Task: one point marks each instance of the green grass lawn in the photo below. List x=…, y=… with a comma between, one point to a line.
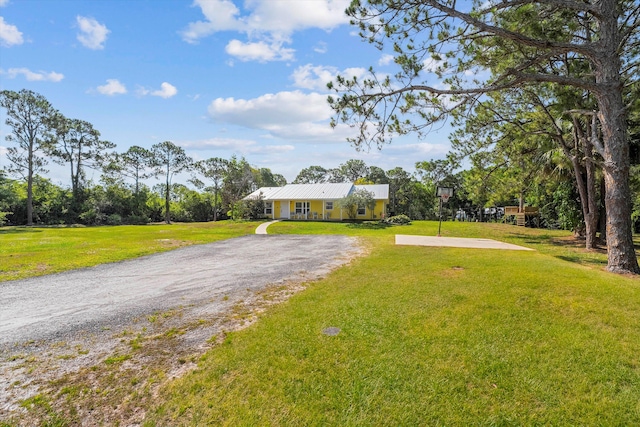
x=34, y=251
x=428, y=336
x=431, y=336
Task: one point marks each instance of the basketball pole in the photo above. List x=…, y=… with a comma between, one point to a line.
x=440, y=217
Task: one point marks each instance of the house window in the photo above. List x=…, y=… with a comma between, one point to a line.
x=328, y=206
x=268, y=208
x=361, y=210
x=302, y=208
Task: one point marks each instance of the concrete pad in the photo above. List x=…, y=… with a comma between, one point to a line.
x=262, y=228
x=456, y=242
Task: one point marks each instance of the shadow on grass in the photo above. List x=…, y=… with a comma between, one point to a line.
x=571, y=243
x=13, y=230
x=541, y=239
x=368, y=225
x=579, y=260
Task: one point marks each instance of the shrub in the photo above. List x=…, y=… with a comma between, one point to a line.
x=92, y=217
x=397, y=220
x=237, y=211
x=3, y=218
x=114, y=219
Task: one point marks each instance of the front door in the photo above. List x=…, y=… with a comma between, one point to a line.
x=284, y=209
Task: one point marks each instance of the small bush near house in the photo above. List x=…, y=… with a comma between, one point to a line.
x=397, y=220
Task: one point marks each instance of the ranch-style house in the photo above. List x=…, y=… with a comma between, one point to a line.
x=318, y=201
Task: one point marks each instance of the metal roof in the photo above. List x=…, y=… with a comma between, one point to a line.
x=380, y=191
x=264, y=193
x=323, y=191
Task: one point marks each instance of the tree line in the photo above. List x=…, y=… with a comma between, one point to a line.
x=509, y=172
x=40, y=133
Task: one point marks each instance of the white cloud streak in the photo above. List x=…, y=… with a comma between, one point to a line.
x=112, y=88
x=9, y=34
x=167, y=90
x=242, y=146
x=32, y=76
x=259, y=51
x=93, y=34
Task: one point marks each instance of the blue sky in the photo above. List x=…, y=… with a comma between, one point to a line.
x=217, y=77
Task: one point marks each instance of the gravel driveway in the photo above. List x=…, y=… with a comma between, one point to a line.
x=201, y=280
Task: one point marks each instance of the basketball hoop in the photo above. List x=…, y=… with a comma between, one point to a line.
x=444, y=193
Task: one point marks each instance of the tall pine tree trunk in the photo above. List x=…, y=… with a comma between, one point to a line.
x=620, y=250
x=167, y=204
x=30, y=190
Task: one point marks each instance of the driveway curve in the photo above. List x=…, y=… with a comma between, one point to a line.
x=57, y=306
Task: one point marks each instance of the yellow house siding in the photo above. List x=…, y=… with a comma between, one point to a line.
x=316, y=207
x=378, y=211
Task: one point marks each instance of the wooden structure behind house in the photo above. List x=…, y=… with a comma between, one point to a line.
x=318, y=201
x=521, y=214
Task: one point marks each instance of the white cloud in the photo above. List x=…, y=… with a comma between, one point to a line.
x=167, y=90
x=386, y=59
x=267, y=23
x=287, y=115
x=113, y=87
x=321, y=47
x=281, y=17
x=419, y=150
x=242, y=146
x=221, y=15
x=219, y=144
x=314, y=132
x=92, y=34
x=432, y=65
x=259, y=51
x=9, y=34
x=32, y=76
x=316, y=77
x=4, y=3
x=285, y=16
x=313, y=77
x=271, y=149
x=266, y=111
